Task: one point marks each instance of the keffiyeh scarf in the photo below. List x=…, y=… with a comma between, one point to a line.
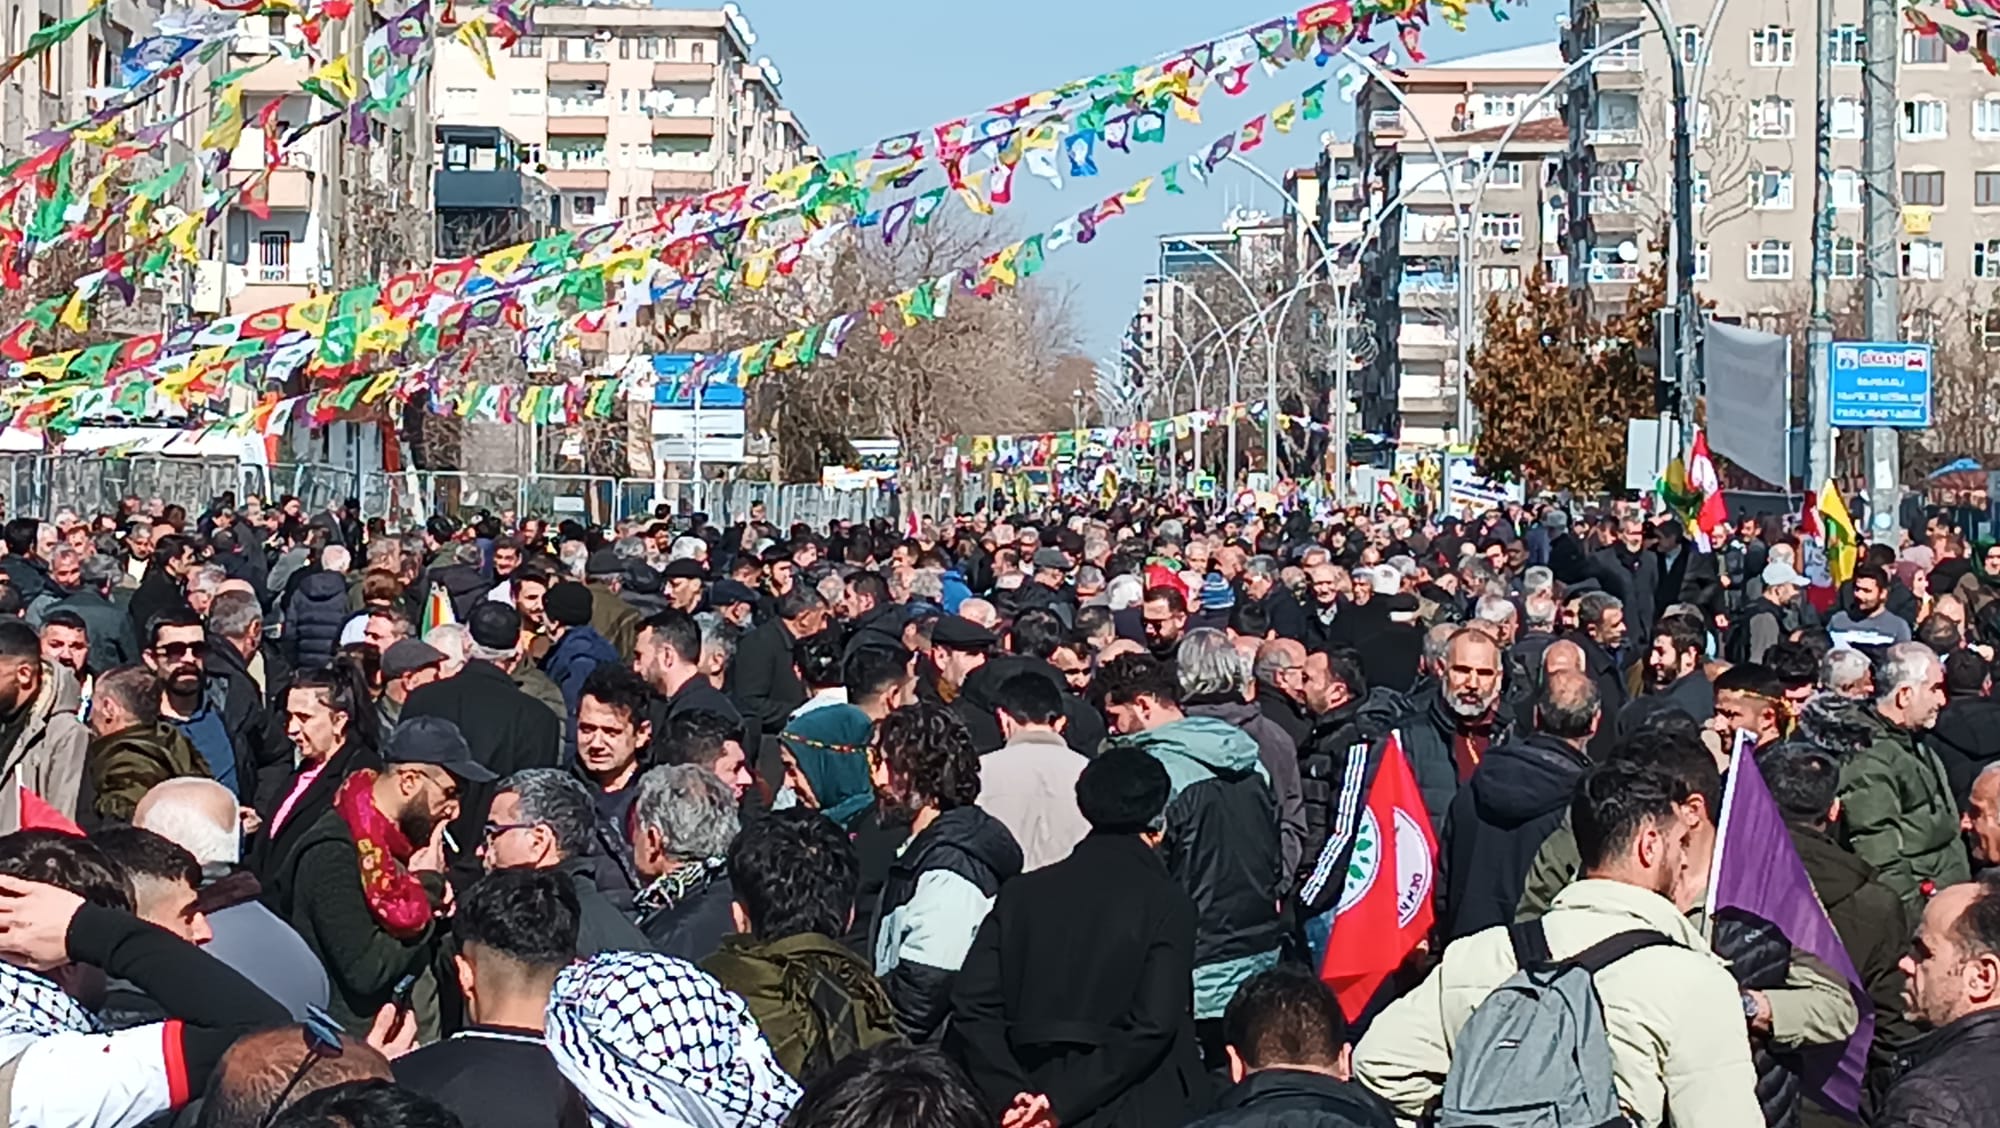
x=396, y=899
x=654, y=1042
x=670, y=889
x=35, y=1006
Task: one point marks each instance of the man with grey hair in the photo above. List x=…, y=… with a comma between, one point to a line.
x=453, y=641
x=684, y=820
x=1538, y=579
x=1497, y=612
x=201, y=816
x=1280, y=673
x=1215, y=682
x=1264, y=586
x=719, y=637
x=1895, y=798
x=65, y=579
x=544, y=818
x=202, y=584
x=1847, y=673
x=113, y=642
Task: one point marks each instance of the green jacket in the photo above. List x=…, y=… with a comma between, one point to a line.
x=815, y=1000
x=1897, y=814
x=120, y=768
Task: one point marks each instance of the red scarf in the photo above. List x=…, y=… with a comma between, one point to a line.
x=395, y=897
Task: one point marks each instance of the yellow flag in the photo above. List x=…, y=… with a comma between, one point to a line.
x=1136, y=194
x=182, y=237
x=333, y=82
x=503, y=262
x=225, y=125
x=757, y=270
x=972, y=190
x=76, y=312
x=472, y=33
x=1186, y=107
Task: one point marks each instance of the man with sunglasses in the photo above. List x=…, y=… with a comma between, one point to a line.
x=177, y=652
x=373, y=924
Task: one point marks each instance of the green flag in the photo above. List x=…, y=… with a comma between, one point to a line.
x=1170, y=179
x=1312, y=101
x=1029, y=262
x=48, y=37
x=156, y=188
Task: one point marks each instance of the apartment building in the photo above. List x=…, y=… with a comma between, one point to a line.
x=1752, y=86
x=1422, y=140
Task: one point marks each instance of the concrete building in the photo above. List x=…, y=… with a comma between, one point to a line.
x=1754, y=138
x=1424, y=143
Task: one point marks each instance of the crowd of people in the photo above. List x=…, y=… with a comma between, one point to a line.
x=1045, y=821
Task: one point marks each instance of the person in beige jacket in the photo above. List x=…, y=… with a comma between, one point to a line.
x=1672, y=1013
x=42, y=741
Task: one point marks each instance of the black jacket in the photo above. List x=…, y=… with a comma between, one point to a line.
x=921, y=941
x=245, y=718
x=1078, y=987
x=1286, y=714
x=1967, y=738
x=767, y=686
x=1947, y=1079
x=272, y=846
x=1636, y=577
x=317, y=890
x=600, y=926
x=490, y=1077
x=1427, y=743
x=1323, y=759
x=1285, y=614
x=1296, y=1098
x=880, y=627
x=1602, y=667
x=1084, y=731
x=157, y=592
x=313, y=619
x=1518, y=797
x=113, y=642
x=1693, y=695
x=506, y=729
x=694, y=925
x=464, y=584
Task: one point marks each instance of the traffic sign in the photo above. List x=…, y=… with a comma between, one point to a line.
x=1881, y=384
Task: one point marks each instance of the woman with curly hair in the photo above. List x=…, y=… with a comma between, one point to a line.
x=939, y=890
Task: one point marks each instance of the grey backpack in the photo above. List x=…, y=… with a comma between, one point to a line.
x=1535, y=1054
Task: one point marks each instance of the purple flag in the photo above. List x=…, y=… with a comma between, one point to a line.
x=1759, y=873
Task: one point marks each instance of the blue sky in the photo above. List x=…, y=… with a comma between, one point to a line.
x=859, y=70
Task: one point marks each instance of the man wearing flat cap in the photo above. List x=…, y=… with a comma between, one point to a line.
x=610, y=616
x=684, y=585
x=407, y=666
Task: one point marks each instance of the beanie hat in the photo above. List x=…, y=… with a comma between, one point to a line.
x=1123, y=791
x=1216, y=594
x=494, y=625
x=568, y=603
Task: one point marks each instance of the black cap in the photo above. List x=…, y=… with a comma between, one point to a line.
x=956, y=632
x=684, y=570
x=640, y=577
x=1123, y=791
x=568, y=603
x=406, y=655
x=1051, y=558
x=727, y=592
x=604, y=562
x=494, y=625
x=778, y=553
x=435, y=741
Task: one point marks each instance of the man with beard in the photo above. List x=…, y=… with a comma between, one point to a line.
x=1165, y=614
x=1675, y=678
x=40, y=734
x=1452, y=725
x=176, y=651
x=1601, y=625
x=112, y=640
x=871, y=619
x=173, y=559
x=1636, y=569
x=373, y=925
x=1953, y=994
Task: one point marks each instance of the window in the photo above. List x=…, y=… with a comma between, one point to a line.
x=1505, y=107
x=697, y=52
x=1701, y=262
x=1988, y=326
x=1771, y=261
x=1499, y=279
x=1986, y=188
x=528, y=47
x=1772, y=118
x=1986, y=117
x=1772, y=46
x=1699, y=191
x=524, y=100
x=1925, y=188
x=1986, y=258
x=593, y=49
x=1846, y=257
x=1691, y=45
x=1847, y=120
x=1920, y=325
x=584, y=206
x=274, y=249
x=1703, y=120
x=1771, y=189
x=1923, y=48
x=1845, y=188
x=1504, y=226
x=48, y=61
x=1505, y=174
x=460, y=99
x=1923, y=259
x=1923, y=119
x=1848, y=45
x=624, y=47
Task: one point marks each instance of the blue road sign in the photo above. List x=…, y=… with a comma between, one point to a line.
x=1881, y=384
x=674, y=388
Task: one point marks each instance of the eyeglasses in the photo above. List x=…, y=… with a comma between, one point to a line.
x=495, y=830
x=175, y=651
x=322, y=1041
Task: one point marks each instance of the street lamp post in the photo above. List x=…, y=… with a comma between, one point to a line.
x=1680, y=280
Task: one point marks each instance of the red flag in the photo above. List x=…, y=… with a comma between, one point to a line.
x=36, y=814
x=1385, y=906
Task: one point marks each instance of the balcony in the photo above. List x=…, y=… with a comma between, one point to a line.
x=1613, y=137
x=682, y=180
x=677, y=126
x=1624, y=69
x=453, y=189
x=1386, y=122
x=565, y=124
x=1428, y=291
x=288, y=189
x=580, y=178
x=683, y=72
x=580, y=71
x=1611, y=207
x=1613, y=273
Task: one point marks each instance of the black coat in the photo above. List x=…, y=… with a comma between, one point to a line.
x=1947, y=1080
x=490, y=1077
x=245, y=717
x=1079, y=987
x=157, y=592
x=1602, y=667
x=1286, y=714
x=1518, y=797
x=464, y=584
x=880, y=627
x=1297, y=1098
x=1637, y=578
x=313, y=620
x=1966, y=738
x=506, y=729
x=1693, y=695
x=1084, y=731
x=113, y=642
x=1285, y=615
x=693, y=927
x=767, y=685
x=600, y=926
x=271, y=846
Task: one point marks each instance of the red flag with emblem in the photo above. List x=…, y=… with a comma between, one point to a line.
x=1385, y=908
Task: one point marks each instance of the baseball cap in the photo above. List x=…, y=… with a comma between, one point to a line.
x=1779, y=572
x=437, y=742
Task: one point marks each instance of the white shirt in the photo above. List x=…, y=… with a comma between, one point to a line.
x=115, y=1080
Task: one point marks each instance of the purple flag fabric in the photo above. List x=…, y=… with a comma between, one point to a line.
x=1758, y=872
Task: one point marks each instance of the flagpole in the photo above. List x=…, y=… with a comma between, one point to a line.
x=1745, y=741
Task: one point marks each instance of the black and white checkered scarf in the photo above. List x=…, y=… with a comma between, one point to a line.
x=30, y=1004
x=654, y=1042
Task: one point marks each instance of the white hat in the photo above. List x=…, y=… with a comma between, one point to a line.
x=1778, y=572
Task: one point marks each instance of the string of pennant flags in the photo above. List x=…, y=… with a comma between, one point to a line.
x=1011, y=452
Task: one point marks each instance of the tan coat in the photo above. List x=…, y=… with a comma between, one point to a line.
x=1679, y=1046
x=50, y=753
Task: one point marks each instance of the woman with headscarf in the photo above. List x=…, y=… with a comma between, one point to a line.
x=652, y=1041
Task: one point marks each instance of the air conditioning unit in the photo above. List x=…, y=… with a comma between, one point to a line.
x=273, y=273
